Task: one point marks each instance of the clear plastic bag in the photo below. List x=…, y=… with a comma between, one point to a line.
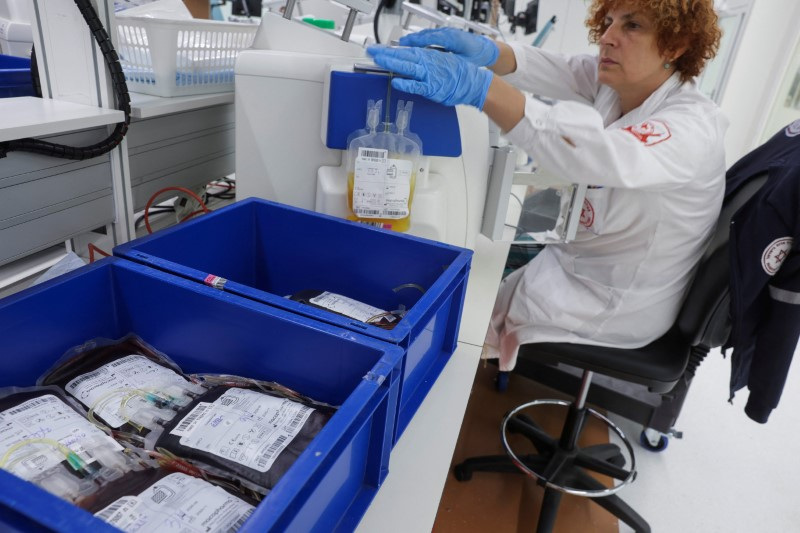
x=159, y=500
x=144, y=399
x=127, y=385
x=382, y=163
x=46, y=440
x=349, y=307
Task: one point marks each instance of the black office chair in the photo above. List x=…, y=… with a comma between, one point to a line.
x=665, y=368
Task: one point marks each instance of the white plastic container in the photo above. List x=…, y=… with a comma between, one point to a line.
x=180, y=57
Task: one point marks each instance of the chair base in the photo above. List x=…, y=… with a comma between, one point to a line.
x=559, y=465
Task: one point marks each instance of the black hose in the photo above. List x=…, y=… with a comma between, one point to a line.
x=37, y=146
x=377, y=16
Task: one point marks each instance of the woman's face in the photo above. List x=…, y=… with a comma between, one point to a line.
x=629, y=57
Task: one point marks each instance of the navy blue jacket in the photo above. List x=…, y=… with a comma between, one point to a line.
x=765, y=271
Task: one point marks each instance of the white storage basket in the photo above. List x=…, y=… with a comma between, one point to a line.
x=180, y=57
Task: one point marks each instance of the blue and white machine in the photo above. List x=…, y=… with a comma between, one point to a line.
x=298, y=97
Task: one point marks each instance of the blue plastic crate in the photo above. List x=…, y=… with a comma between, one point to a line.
x=266, y=251
x=15, y=77
x=204, y=330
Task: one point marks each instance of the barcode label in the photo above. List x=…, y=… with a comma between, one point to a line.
x=274, y=448
x=392, y=213
x=242, y=519
x=373, y=224
x=30, y=404
x=298, y=418
x=106, y=514
x=367, y=212
x=125, y=360
x=75, y=383
x=196, y=413
x=376, y=154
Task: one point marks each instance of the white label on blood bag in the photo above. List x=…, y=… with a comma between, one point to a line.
x=398, y=188
x=243, y=426
x=117, y=390
x=181, y=504
x=42, y=429
x=347, y=306
x=368, y=182
x=381, y=186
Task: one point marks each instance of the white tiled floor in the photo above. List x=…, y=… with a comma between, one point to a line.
x=728, y=474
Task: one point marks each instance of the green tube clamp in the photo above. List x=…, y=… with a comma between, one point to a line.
x=325, y=24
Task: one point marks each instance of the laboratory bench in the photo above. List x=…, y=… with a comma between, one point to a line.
x=408, y=500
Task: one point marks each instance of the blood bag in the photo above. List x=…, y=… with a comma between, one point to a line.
x=349, y=307
x=221, y=428
x=161, y=501
x=382, y=163
x=46, y=440
x=126, y=385
x=244, y=431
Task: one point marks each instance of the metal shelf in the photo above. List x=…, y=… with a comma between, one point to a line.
x=148, y=106
x=34, y=117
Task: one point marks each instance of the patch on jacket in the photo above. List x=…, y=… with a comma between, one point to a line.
x=650, y=132
x=587, y=214
x=775, y=254
x=793, y=129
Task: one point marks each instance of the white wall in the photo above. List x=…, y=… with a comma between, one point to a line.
x=758, y=70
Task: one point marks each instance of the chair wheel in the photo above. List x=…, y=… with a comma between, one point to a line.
x=663, y=442
x=501, y=381
x=461, y=473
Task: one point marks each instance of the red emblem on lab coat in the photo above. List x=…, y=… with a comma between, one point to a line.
x=587, y=214
x=775, y=253
x=650, y=132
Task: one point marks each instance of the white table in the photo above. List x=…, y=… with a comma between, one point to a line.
x=408, y=500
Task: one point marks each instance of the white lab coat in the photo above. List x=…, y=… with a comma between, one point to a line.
x=658, y=177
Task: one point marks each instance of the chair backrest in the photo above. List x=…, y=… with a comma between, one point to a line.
x=704, y=318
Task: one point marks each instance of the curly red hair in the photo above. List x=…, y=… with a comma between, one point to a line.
x=690, y=23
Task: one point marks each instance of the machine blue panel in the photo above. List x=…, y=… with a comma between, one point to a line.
x=330, y=485
x=436, y=125
x=15, y=77
x=266, y=251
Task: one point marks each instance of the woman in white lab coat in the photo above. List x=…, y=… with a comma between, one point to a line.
x=630, y=123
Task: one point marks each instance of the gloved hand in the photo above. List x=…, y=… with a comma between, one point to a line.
x=476, y=49
x=439, y=76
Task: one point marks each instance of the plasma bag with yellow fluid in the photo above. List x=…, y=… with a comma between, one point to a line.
x=382, y=161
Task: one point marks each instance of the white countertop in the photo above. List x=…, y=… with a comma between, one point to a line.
x=28, y=116
x=408, y=500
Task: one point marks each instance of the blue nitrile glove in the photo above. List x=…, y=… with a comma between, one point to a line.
x=439, y=76
x=476, y=49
